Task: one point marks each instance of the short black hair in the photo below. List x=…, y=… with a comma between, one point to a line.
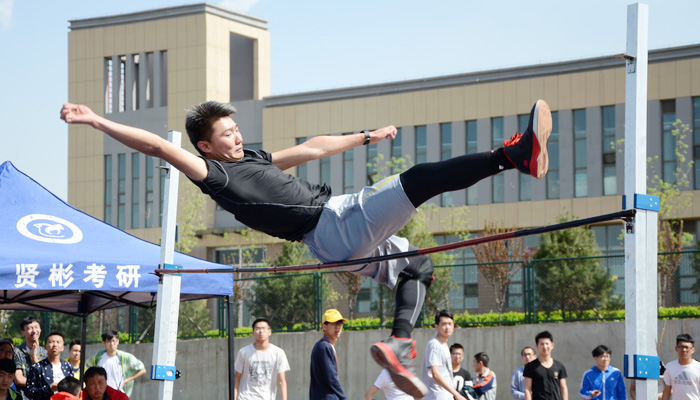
x=456, y=346
x=522, y=352
x=94, y=371
x=201, y=117
x=482, y=357
x=28, y=320
x=70, y=385
x=109, y=335
x=600, y=350
x=260, y=320
x=55, y=333
x=543, y=335
x=7, y=340
x=684, y=337
x=73, y=343
x=8, y=366
x=443, y=313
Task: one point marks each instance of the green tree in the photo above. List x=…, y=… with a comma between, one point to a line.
x=576, y=281
x=286, y=300
x=673, y=196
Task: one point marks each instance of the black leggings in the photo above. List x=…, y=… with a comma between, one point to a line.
x=424, y=181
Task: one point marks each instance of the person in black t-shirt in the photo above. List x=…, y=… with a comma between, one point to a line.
x=461, y=376
x=252, y=186
x=545, y=377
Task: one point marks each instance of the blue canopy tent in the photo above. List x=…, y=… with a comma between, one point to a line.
x=54, y=257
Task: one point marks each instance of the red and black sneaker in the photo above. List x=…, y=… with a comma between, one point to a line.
x=398, y=356
x=528, y=150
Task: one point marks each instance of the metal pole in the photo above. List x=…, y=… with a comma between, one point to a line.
x=641, y=237
x=231, y=347
x=168, y=306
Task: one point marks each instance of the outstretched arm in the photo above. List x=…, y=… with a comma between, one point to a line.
x=138, y=139
x=325, y=146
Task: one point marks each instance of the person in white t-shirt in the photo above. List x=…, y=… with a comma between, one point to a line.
x=391, y=392
x=122, y=368
x=437, y=364
x=260, y=367
x=682, y=377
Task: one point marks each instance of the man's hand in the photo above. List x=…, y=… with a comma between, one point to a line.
x=54, y=387
x=388, y=132
x=77, y=114
x=595, y=393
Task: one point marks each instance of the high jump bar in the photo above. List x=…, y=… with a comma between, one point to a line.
x=626, y=214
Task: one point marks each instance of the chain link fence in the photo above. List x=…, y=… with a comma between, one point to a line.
x=528, y=291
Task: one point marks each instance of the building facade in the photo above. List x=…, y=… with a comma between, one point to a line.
x=145, y=69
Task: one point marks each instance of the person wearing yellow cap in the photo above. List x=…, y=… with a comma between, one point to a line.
x=325, y=384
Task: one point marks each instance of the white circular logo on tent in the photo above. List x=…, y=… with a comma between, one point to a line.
x=49, y=229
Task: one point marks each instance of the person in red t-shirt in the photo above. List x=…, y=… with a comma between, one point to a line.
x=96, y=386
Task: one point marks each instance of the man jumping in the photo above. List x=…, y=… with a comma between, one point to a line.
x=251, y=185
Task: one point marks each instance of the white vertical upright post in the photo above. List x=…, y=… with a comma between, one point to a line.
x=641, y=237
x=168, y=302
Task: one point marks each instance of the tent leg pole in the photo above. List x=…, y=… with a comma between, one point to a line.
x=231, y=347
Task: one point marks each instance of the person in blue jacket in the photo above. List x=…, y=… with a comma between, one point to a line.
x=325, y=384
x=603, y=381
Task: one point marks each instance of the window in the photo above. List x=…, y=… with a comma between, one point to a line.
x=242, y=256
x=135, y=189
x=553, y=151
x=123, y=78
x=149, y=191
x=525, y=180
x=396, y=151
x=514, y=291
x=496, y=142
x=609, y=170
x=121, y=192
x=696, y=140
x=372, y=160
x=580, y=160
x=325, y=170
x=668, y=145
x=465, y=294
x=108, y=189
x=472, y=192
x=609, y=240
x=348, y=173
x=421, y=145
x=302, y=172
x=446, y=154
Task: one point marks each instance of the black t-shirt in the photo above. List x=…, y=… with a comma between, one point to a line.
x=545, y=381
x=460, y=377
x=263, y=197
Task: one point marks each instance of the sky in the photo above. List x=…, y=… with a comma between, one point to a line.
x=318, y=45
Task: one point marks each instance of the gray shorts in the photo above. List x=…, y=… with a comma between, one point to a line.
x=363, y=225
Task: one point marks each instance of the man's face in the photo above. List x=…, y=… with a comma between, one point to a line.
x=545, y=346
x=31, y=332
x=74, y=353
x=111, y=344
x=6, y=351
x=445, y=327
x=685, y=350
x=261, y=332
x=54, y=345
x=528, y=355
x=457, y=357
x=602, y=361
x=95, y=387
x=226, y=143
x=477, y=366
x=332, y=330
x=6, y=380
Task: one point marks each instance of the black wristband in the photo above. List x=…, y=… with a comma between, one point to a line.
x=366, y=132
